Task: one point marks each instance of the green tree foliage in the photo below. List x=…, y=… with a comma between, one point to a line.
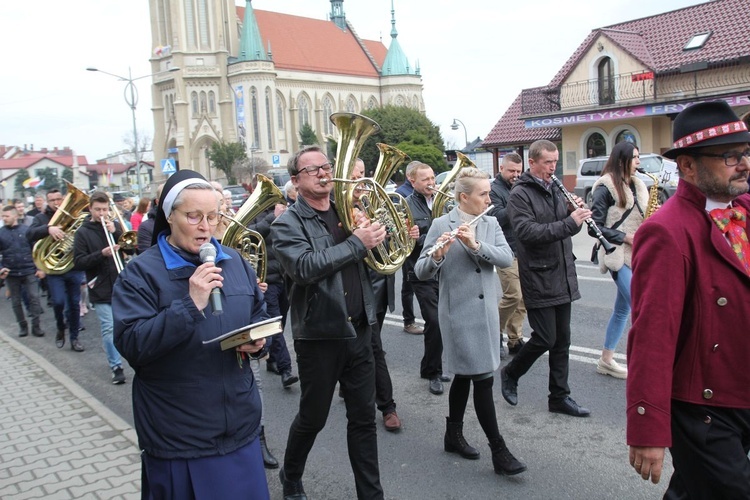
x=51, y=180
x=307, y=135
x=224, y=155
x=408, y=130
x=68, y=176
x=21, y=176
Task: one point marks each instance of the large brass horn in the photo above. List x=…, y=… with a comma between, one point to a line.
x=56, y=256
x=129, y=239
x=249, y=243
x=390, y=255
x=440, y=204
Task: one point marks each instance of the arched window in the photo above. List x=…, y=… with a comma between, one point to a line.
x=596, y=145
x=269, y=126
x=194, y=103
x=203, y=23
x=606, y=81
x=256, y=122
x=212, y=103
x=327, y=112
x=280, y=109
x=372, y=103
x=303, y=110
x=351, y=105
x=204, y=103
x=625, y=135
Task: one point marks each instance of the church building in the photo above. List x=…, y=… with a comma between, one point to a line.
x=257, y=77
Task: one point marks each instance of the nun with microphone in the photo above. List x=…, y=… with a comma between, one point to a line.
x=197, y=408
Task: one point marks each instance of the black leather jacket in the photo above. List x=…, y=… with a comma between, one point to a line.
x=499, y=194
x=312, y=263
x=423, y=218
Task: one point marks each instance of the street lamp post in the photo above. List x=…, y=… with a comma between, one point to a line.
x=454, y=126
x=131, y=99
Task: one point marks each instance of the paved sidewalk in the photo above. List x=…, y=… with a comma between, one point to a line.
x=56, y=440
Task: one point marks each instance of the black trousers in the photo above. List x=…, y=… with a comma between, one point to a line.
x=427, y=297
x=407, y=300
x=322, y=363
x=551, y=332
x=383, y=384
x=709, y=453
x=277, y=304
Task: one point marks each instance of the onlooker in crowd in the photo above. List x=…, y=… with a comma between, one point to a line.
x=543, y=222
x=23, y=218
x=140, y=212
x=227, y=195
x=64, y=289
x=407, y=293
x=39, y=204
x=197, y=413
x=469, y=327
x=383, y=290
x=420, y=202
x=123, y=206
x=511, y=307
x=146, y=229
x=93, y=255
x=331, y=329
x=688, y=348
x=18, y=270
x=290, y=192
x=620, y=199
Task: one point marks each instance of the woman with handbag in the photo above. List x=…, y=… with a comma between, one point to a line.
x=620, y=199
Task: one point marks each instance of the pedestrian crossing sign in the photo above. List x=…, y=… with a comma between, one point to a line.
x=168, y=166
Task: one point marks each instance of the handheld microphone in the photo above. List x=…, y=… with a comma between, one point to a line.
x=207, y=253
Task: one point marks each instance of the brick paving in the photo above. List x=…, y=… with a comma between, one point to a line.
x=56, y=440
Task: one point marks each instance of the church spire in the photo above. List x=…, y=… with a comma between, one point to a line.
x=395, y=60
x=251, y=43
x=337, y=13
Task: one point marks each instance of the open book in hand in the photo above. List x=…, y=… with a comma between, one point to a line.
x=248, y=333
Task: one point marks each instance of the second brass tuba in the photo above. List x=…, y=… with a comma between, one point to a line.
x=249, y=243
x=390, y=255
x=56, y=256
x=440, y=204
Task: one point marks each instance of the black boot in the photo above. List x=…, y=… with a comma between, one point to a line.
x=23, y=329
x=454, y=441
x=269, y=461
x=503, y=460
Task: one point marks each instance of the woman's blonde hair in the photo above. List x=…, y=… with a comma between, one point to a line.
x=467, y=179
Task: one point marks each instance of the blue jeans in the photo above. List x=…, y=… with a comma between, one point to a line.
x=621, y=311
x=65, y=291
x=104, y=312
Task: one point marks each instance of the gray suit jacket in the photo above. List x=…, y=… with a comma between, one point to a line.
x=469, y=294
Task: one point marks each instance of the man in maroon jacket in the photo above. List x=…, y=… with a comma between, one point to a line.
x=688, y=384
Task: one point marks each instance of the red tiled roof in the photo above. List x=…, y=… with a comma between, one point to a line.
x=377, y=50
x=305, y=44
x=28, y=160
x=103, y=168
x=510, y=130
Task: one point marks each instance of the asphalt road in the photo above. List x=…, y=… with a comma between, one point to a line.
x=566, y=457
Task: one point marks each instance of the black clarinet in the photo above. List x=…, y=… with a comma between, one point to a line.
x=606, y=245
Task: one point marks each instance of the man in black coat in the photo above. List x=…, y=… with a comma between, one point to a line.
x=543, y=222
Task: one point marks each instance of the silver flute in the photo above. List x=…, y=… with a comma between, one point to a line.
x=453, y=233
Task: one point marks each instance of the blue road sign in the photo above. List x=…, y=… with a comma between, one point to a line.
x=276, y=160
x=168, y=166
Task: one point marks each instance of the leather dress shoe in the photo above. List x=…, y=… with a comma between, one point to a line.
x=436, y=386
x=413, y=329
x=391, y=421
x=444, y=378
x=76, y=346
x=509, y=387
x=287, y=379
x=60, y=339
x=271, y=367
x=293, y=490
x=516, y=348
x=568, y=407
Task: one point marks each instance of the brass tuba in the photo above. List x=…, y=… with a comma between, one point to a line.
x=249, y=243
x=390, y=255
x=56, y=256
x=440, y=204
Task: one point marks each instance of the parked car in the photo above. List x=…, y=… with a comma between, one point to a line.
x=239, y=195
x=590, y=169
x=279, y=176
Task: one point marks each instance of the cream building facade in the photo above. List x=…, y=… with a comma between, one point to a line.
x=258, y=77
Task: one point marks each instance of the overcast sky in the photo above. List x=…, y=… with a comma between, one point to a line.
x=475, y=57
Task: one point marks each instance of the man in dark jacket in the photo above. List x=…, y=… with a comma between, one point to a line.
x=420, y=203
x=65, y=289
x=19, y=272
x=407, y=293
x=92, y=254
x=332, y=310
x=511, y=308
x=543, y=222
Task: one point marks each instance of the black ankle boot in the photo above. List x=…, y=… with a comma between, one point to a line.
x=456, y=443
x=503, y=460
x=269, y=461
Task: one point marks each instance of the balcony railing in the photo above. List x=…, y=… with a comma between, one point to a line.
x=696, y=80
